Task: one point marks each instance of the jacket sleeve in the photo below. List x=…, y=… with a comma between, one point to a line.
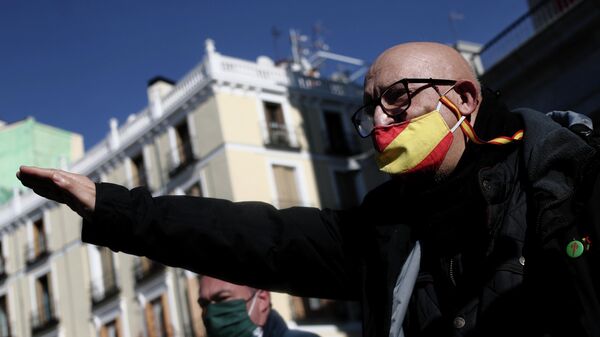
x=299, y=250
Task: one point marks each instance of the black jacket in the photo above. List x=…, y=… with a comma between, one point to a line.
x=275, y=327
x=529, y=195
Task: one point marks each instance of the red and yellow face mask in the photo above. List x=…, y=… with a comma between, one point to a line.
x=421, y=144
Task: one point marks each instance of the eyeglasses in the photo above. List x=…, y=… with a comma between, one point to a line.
x=394, y=101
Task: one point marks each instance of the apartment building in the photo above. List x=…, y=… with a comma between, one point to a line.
x=230, y=128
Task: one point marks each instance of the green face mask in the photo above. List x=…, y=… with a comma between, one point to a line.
x=228, y=319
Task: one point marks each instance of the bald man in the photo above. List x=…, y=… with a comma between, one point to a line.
x=485, y=229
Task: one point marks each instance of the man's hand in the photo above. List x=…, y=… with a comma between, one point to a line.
x=75, y=190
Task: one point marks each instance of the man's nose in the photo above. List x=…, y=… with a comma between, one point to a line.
x=380, y=118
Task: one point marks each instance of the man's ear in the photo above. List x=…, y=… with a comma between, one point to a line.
x=264, y=300
x=468, y=93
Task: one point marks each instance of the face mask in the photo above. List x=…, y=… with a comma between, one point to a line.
x=230, y=319
x=419, y=144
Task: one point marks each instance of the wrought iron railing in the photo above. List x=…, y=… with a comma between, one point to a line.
x=538, y=17
x=36, y=251
x=278, y=135
x=43, y=319
x=327, y=87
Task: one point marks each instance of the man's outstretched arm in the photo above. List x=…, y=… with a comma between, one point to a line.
x=304, y=251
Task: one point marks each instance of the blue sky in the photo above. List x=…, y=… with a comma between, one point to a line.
x=76, y=63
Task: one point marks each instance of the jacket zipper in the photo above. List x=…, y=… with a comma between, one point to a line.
x=451, y=271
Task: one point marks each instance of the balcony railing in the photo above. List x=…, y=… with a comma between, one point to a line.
x=185, y=152
x=524, y=28
x=327, y=87
x=44, y=319
x=36, y=252
x=104, y=289
x=279, y=136
x=143, y=271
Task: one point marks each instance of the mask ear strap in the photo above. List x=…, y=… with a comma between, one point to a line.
x=457, y=124
x=253, y=302
x=468, y=130
x=458, y=115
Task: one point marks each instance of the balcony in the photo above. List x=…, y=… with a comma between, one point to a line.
x=104, y=289
x=144, y=269
x=36, y=252
x=326, y=88
x=186, y=156
x=44, y=320
x=278, y=136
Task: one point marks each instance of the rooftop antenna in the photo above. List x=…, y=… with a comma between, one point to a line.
x=318, y=41
x=275, y=33
x=309, y=57
x=454, y=16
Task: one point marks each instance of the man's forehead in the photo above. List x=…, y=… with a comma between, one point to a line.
x=386, y=71
x=211, y=285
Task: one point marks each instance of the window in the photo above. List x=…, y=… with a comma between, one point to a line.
x=108, y=268
x=195, y=190
x=285, y=182
x=39, y=237
x=105, y=286
x=144, y=268
x=38, y=248
x=4, y=318
x=44, y=315
x=138, y=171
x=157, y=317
x=111, y=329
x=183, y=143
x=345, y=182
x=277, y=131
x=339, y=141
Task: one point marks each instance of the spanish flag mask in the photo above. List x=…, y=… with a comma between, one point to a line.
x=419, y=144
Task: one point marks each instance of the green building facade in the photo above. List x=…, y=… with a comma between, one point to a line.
x=29, y=142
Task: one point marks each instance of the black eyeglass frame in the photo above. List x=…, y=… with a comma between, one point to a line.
x=405, y=82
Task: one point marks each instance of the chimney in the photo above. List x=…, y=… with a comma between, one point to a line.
x=158, y=88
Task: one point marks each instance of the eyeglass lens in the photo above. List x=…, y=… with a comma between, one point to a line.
x=394, y=100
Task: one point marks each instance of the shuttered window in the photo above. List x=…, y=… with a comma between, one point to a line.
x=287, y=189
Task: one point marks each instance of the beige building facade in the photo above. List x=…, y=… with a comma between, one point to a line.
x=231, y=129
